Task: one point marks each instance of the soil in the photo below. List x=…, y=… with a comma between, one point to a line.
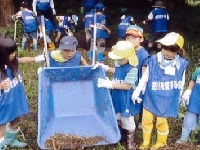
x=62, y=141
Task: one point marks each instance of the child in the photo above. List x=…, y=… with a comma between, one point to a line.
x=159, y=18
x=123, y=83
x=49, y=31
x=164, y=79
x=66, y=56
x=13, y=103
x=30, y=25
x=102, y=32
x=191, y=97
x=87, y=21
x=134, y=34
x=63, y=27
x=45, y=8
x=126, y=21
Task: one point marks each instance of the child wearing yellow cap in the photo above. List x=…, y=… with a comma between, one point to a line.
x=164, y=79
x=125, y=76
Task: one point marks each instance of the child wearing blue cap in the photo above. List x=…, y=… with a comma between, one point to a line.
x=66, y=56
x=30, y=25
x=102, y=32
x=134, y=34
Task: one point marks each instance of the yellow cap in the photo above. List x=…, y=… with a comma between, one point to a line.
x=124, y=49
x=171, y=39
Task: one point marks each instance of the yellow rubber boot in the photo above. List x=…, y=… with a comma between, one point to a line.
x=161, y=141
x=146, y=141
x=51, y=46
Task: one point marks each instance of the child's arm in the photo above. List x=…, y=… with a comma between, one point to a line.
x=39, y=58
x=83, y=61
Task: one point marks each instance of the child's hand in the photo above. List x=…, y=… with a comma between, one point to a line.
x=5, y=84
x=186, y=97
x=97, y=65
x=135, y=96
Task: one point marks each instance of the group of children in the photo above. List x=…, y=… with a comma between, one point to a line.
x=32, y=24
x=151, y=85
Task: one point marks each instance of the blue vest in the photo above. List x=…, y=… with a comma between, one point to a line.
x=75, y=61
x=123, y=26
x=88, y=19
x=194, y=104
x=142, y=56
x=122, y=98
x=30, y=23
x=163, y=91
x=43, y=5
x=159, y=22
x=49, y=25
x=13, y=101
x=101, y=33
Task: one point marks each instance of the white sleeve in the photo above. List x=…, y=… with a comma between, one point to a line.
x=34, y=5
x=143, y=81
x=52, y=4
x=150, y=16
x=183, y=83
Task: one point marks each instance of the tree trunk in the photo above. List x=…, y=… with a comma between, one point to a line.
x=6, y=11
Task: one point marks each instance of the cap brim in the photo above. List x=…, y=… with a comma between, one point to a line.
x=159, y=6
x=133, y=60
x=166, y=41
x=113, y=56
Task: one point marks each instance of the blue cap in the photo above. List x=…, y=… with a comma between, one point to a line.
x=99, y=7
x=68, y=43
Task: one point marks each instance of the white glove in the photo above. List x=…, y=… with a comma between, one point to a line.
x=39, y=58
x=144, y=22
x=106, y=83
x=54, y=12
x=135, y=96
x=186, y=97
x=97, y=65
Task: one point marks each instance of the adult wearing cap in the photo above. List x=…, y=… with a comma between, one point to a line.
x=164, y=79
x=66, y=56
x=122, y=85
x=159, y=18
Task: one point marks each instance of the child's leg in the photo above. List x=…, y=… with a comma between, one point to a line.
x=162, y=132
x=2, y=132
x=87, y=38
x=24, y=39
x=128, y=124
x=34, y=37
x=12, y=129
x=147, y=127
x=101, y=46
x=189, y=124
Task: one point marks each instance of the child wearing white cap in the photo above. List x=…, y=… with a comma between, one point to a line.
x=192, y=117
x=164, y=79
x=66, y=56
x=122, y=85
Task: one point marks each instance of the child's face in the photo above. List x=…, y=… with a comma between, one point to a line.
x=68, y=54
x=12, y=56
x=122, y=61
x=135, y=40
x=168, y=54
